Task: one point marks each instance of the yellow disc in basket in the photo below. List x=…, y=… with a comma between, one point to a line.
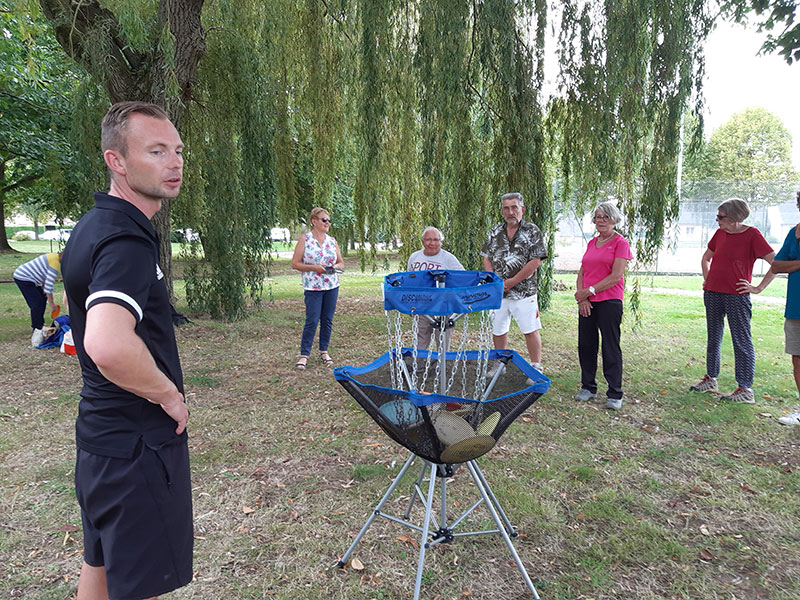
x=488, y=425
x=451, y=428
x=467, y=449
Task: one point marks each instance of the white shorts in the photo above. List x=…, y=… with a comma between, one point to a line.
x=525, y=312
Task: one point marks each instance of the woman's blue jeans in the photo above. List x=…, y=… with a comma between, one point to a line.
x=36, y=300
x=320, y=307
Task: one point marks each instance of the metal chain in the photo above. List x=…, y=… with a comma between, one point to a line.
x=414, y=332
x=482, y=365
x=391, y=347
x=460, y=354
x=427, y=369
x=398, y=349
x=464, y=329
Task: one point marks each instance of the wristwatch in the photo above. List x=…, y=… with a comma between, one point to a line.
x=591, y=290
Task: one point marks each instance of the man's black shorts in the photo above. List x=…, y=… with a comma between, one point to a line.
x=137, y=518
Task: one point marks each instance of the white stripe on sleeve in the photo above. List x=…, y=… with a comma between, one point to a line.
x=118, y=295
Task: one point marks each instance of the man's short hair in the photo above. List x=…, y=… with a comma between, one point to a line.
x=735, y=209
x=432, y=228
x=115, y=123
x=512, y=196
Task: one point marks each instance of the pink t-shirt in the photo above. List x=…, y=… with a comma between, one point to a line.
x=597, y=263
x=734, y=257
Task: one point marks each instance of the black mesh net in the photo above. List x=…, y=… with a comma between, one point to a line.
x=454, y=431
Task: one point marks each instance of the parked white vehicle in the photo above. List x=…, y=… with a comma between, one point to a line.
x=56, y=234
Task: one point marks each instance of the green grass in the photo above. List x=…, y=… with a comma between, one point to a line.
x=776, y=289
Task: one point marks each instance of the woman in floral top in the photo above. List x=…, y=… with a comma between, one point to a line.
x=318, y=258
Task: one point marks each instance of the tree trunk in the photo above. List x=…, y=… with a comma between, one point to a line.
x=4, y=245
x=161, y=223
x=130, y=75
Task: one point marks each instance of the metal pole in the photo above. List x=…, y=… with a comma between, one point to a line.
x=471, y=466
x=425, y=527
x=343, y=561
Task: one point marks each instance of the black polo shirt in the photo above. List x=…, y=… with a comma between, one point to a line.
x=112, y=256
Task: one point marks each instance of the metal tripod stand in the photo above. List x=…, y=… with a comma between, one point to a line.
x=435, y=531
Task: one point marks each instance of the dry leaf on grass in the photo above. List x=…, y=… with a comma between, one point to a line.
x=706, y=555
x=356, y=564
x=407, y=539
x=747, y=488
x=247, y=510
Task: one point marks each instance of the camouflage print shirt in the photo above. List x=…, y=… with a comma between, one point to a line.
x=508, y=257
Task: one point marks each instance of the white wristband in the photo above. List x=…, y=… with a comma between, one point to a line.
x=591, y=290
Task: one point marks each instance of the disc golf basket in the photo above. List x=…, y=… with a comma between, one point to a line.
x=448, y=407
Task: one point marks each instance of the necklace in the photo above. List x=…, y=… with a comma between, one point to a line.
x=603, y=240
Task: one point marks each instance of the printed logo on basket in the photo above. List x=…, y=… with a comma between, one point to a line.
x=476, y=297
x=416, y=298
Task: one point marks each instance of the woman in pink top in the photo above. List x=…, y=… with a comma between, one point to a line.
x=600, y=288
x=727, y=271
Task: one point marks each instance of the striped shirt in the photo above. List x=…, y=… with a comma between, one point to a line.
x=42, y=271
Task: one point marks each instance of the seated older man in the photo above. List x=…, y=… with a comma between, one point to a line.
x=432, y=257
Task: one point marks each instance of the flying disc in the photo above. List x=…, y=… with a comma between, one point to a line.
x=488, y=425
x=467, y=449
x=451, y=428
x=401, y=412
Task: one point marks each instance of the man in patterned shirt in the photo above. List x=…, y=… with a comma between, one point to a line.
x=514, y=250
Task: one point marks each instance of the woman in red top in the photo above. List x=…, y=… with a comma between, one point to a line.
x=599, y=290
x=727, y=271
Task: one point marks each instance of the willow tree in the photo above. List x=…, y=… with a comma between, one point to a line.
x=230, y=193
x=398, y=114
x=629, y=72
x=152, y=51
x=452, y=111
x=136, y=51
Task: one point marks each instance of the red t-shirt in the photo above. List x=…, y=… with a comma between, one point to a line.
x=734, y=257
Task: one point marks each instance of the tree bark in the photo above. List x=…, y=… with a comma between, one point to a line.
x=4, y=245
x=128, y=74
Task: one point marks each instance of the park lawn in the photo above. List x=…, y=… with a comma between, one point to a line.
x=678, y=495
x=776, y=289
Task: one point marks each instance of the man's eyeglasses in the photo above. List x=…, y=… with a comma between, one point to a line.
x=431, y=240
x=324, y=220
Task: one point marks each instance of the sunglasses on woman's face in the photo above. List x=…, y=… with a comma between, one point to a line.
x=324, y=220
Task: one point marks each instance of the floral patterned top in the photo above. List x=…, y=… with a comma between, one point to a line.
x=508, y=257
x=316, y=254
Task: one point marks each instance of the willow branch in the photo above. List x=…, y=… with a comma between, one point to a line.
x=339, y=21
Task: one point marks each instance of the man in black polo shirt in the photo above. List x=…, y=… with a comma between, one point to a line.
x=132, y=468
